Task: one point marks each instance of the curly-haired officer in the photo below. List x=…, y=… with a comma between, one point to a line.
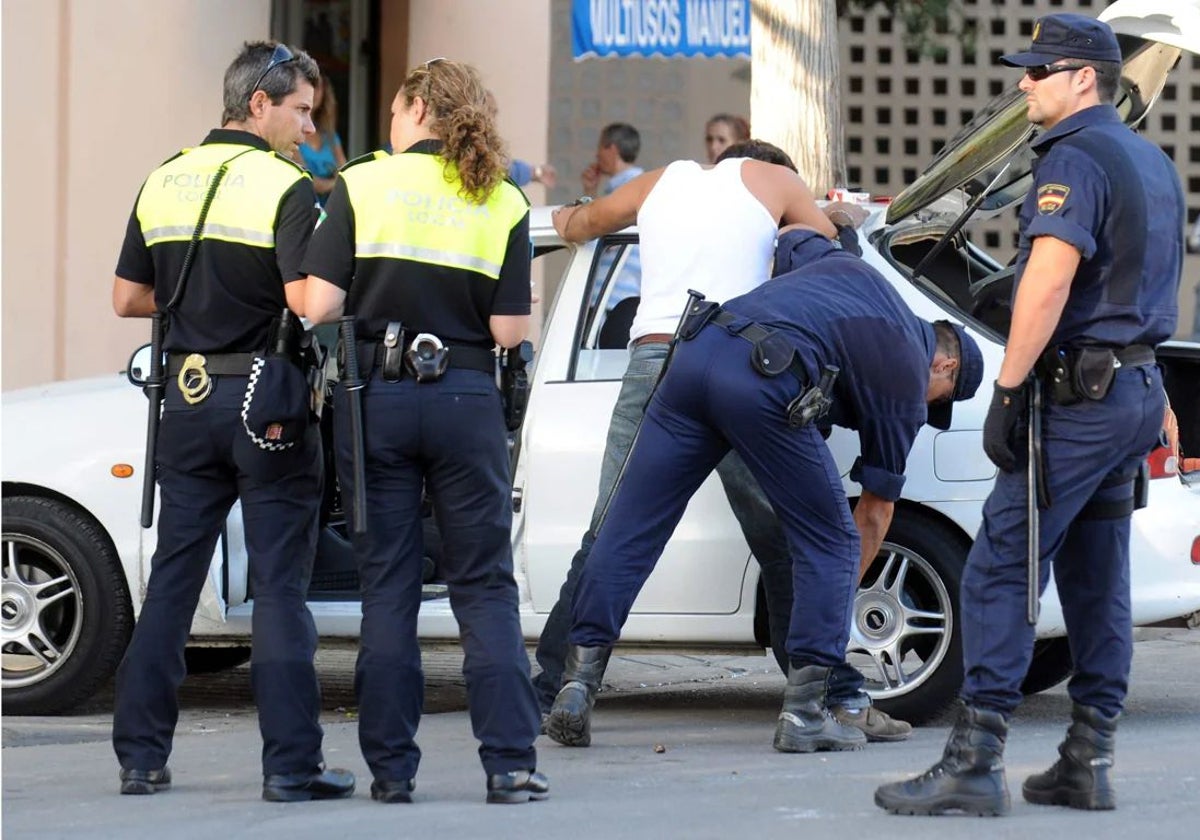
x=432, y=243
x=1097, y=287
x=246, y=269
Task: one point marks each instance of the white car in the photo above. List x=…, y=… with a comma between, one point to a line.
x=76, y=561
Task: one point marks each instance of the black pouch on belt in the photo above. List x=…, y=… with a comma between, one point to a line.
x=1095, y=369
x=1056, y=368
x=772, y=354
x=393, y=352
x=699, y=315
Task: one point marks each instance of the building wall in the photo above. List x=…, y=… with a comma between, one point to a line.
x=94, y=96
x=900, y=108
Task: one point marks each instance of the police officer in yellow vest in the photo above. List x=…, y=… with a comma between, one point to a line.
x=244, y=269
x=428, y=249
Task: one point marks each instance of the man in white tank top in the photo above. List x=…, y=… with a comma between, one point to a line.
x=723, y=252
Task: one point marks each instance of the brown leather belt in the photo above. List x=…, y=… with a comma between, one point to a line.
x=653, y=338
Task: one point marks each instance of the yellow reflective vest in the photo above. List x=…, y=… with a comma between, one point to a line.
x=244, y=208
x=406, y=207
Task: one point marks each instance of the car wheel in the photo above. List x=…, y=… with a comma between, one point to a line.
x=905, y=636
x=1051, y=664
x=213, y=660
x=66, y=613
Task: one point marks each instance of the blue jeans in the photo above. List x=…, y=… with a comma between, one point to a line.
x=750, y=506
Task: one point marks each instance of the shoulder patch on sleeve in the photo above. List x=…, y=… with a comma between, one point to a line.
x=1051, y=197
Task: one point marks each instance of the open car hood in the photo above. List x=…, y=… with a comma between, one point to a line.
x=1152, y=34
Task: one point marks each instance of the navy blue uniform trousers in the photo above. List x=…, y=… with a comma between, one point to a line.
x=712, y=400
x=206, y=461
x=449, y=435
x=1089, y=447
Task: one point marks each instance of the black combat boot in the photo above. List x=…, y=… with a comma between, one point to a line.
x=570, y=720
x=805, y=725
x=1080, y=778
x=969, y=778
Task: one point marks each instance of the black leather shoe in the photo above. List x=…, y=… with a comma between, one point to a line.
x=143, y=782
x=392, y=790
x=517, y=786
x=300, y=787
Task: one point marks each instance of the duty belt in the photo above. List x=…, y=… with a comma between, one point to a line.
x=215, y=364
x=193, y=371
x=755, y=334
x=462, y=356
x=1135, y=355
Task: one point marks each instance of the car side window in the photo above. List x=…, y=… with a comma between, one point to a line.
x=606, y=313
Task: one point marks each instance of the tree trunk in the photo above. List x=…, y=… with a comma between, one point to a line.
x=795, y=86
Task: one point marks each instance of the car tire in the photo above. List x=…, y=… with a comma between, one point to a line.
x=1051, y=664
x=213, y=660
x=67, y=616
x=906, y=639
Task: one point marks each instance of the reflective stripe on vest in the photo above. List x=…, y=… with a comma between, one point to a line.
x=244, y=209
x=404, y=208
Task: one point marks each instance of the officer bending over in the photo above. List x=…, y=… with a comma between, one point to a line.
x=1097, y=288
x=744, y=380
x=428, y=250
x=244, y=271
x=726, y=254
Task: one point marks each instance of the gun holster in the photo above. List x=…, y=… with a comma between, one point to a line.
x=1074, y=374
x=815, y=402
x=393, y=352
x=514, y=383
x=285, y=336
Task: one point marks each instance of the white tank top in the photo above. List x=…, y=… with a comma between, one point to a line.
x=700, y=229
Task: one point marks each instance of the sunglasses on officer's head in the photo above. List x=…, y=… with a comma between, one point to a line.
x=280, y=55
x=1042, y=71
x=428, y=65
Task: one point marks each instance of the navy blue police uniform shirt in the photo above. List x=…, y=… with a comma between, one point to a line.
x=234, y=290
x=837, y=310
x=1116, y=198
x=453, y=303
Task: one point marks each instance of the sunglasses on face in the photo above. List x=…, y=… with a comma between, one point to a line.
x=1042, y=71
x=280, y=55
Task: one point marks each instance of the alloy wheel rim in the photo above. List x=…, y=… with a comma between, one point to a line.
x=41, y=610
x=902, y=624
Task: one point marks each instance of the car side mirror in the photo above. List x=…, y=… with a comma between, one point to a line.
x=138, y=369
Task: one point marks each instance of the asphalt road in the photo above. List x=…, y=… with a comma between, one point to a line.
x=681, y=748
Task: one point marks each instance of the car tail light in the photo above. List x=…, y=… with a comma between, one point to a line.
x=1163, y=463
x=1196, y=552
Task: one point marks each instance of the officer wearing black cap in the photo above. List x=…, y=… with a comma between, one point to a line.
x=1097, y=283
x=754, y=376
x=428, y=250
x=221, y=285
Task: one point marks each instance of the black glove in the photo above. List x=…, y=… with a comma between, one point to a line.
x=1001, y=422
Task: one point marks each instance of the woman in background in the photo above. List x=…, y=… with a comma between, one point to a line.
x=321, y=153
x=722, y=131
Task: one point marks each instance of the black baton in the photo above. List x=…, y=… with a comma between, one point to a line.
x=1034, y=491
x=154, y=388
x=353, y=386
x=694, y=298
